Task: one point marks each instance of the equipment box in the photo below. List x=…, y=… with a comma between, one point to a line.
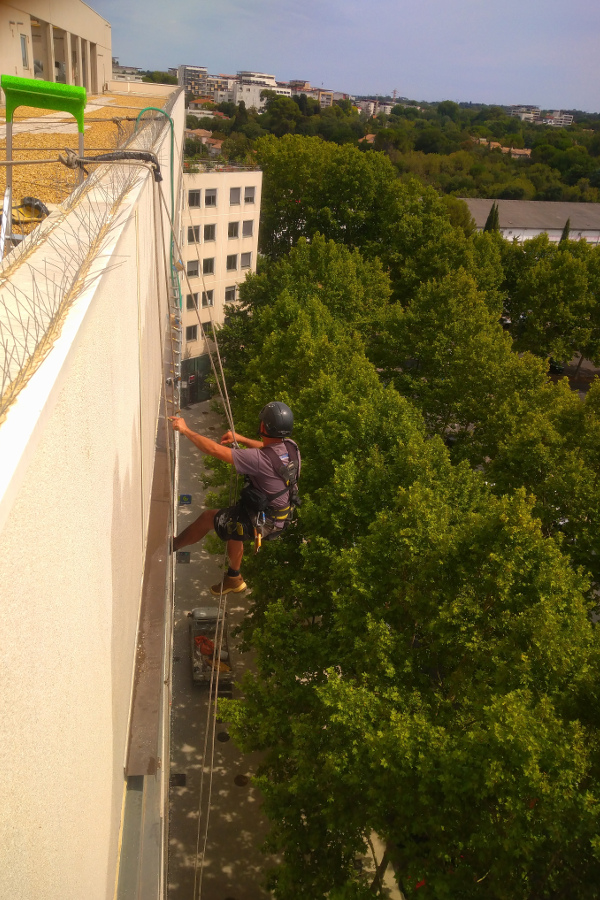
x=204, y=639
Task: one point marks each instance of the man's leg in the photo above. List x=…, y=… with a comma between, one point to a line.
x=232, y=581
x=197, y=530
x=235, y=552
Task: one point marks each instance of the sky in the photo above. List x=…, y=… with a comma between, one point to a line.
x=542, y=52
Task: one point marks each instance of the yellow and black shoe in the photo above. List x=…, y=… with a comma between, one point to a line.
x=232, y=584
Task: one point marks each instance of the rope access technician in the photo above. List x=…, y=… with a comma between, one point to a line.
x=264, y=510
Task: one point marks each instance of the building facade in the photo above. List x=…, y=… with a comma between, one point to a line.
x=125, y=73
x=533, y=114
x=63, y=41
x=219, y=243
x=192, y=79
x=524, y=219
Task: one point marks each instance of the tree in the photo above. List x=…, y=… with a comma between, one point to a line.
x=427, y=666
x=419, y=638
x=450, y=109
x=159, y=78
x=565, y=232
x=492, y=223
x=282, y=114
x=552, y=298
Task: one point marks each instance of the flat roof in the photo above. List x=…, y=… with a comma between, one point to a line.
x=544, y=214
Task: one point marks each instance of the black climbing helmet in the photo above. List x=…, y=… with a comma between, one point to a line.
x=277, y=418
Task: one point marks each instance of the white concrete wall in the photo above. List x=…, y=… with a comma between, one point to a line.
x=72, y=547
x=554, y=234
x=220, y=216
x=141, y=89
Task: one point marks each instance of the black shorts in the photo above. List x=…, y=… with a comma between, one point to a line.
x=233, y=524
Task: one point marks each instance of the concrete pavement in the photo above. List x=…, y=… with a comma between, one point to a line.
x=233, y=866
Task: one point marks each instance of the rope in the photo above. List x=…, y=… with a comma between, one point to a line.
x=222, y=388
x=210, y=315
x=222, y=608
x=213, y=700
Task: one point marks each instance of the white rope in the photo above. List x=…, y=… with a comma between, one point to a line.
x=212, y=322
x=212, y=702
x=199, y=863
x=223, y=387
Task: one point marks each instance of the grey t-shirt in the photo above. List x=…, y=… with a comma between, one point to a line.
x=258, y=466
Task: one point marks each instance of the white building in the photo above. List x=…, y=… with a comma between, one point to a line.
x=250, y=85
x=524, y=219
x=125, y=73
x=525, y=113
x=219, y=242
x=63, y=41
x=557, y=119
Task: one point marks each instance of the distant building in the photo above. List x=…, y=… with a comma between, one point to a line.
x=338, y=95
x=125, y=73
x=524, y=219
x=250, y=85
x=558, y=119
x=192, y=79
x=324, y=98
x=533, y=114
x=525, y=113
x=374, y=107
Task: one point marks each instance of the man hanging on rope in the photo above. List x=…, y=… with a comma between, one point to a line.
x=272, y=467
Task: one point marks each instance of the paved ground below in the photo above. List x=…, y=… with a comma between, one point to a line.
x=233, y=864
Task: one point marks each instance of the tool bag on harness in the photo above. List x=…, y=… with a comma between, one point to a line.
x=258, y=504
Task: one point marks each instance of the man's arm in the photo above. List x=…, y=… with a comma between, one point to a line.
x=202, y=443
x=229, y=438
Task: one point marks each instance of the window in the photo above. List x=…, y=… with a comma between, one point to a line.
x=193, y=234
x=246, y=260
x=235, y=196
x=208, y=266
x=232, y=262
x=248, y=228
x=193, y=198
x=191, y=333
x=191, y=301
x=192, y=267
x=210, y=197
x=233, y=230
x=249, y=195
x=230, y=294
x=207, y=298
x=24, y=53
x=209, y=232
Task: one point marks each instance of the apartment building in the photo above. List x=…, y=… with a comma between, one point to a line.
x=63, y=41
x=533, y=114
x=324, y=98
x=250, y=85
x=192, y=79
x=219, y=243
x=525, y=113
x=125, y=73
